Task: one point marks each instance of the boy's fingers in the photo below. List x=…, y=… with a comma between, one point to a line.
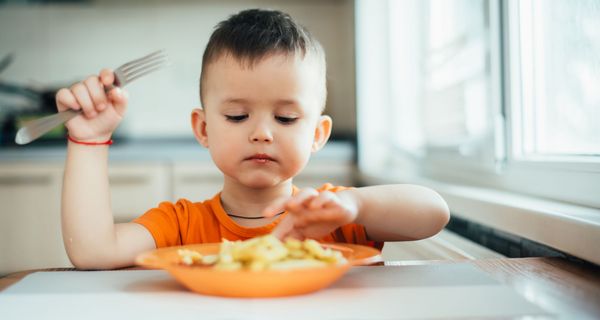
x=291, y=204
x=83, y=98
x=96, y=91
x=66, y=100
x=280, y=233
x=119, y=98
x=107, y=77
x=323, y=215
x=296, y=234
x=283, y=228
x=293, y=233
x=302, y=198
x=116, y=95
x=321, y=200
x=304, y=218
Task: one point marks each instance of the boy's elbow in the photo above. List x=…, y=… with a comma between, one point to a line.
x=441, y=215
x=86, y=261
x=92, y=264
x=81, y=262
x=437, y=216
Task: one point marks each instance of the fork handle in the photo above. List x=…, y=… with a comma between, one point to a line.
x=39, y=127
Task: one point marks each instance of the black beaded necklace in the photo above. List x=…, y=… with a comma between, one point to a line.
x=242, y=217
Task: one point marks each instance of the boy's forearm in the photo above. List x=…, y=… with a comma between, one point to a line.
x=87, y=222
x=400, y=212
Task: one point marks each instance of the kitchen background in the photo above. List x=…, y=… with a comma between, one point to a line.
x=54, y=44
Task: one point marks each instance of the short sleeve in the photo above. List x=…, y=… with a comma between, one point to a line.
x=356, y=234
x=165, y=223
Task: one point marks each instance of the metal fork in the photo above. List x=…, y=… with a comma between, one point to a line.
x=124, y=75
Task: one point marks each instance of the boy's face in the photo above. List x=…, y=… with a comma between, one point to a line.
x=261, y=123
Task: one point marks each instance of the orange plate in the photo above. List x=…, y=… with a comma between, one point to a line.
x=252, y=284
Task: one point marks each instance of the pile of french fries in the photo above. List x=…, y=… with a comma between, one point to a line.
x=265, y=253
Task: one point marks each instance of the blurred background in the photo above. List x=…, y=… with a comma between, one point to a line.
x=494, y=104
x=51, y=44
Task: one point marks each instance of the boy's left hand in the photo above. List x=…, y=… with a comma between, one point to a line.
x=313, y=214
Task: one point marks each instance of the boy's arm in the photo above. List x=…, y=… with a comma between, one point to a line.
x=398, y=212
x=91, y=238
x=388, y=212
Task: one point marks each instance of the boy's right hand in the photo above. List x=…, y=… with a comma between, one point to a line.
x=102, y=111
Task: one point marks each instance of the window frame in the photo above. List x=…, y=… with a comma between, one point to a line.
x=488, y=153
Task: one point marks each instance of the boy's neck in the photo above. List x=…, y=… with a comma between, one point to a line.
x=250, y=202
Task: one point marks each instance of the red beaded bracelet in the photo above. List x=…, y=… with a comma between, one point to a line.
x=107, y=142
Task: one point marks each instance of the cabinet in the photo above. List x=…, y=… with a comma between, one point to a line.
x=30, y=194
x=30, y=234
x=135, y=188
x=196, y=181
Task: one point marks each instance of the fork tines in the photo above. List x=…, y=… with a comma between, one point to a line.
x=142, y=66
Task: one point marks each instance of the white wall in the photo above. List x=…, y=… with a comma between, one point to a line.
x=56, y=45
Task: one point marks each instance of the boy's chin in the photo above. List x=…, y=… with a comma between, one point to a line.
x=261, y=182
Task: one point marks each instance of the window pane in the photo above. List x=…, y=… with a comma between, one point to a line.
x=560, y=54
x=456, y=93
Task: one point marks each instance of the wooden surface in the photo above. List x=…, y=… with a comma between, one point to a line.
x=557, y=285
x=570, y=290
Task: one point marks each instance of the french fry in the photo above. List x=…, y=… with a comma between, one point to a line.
x=189, y=257
x=265, y=253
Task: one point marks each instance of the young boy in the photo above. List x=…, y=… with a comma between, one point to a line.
x=262, y=90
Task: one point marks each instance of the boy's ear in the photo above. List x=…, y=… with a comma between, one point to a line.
x=322, y=133
x=199, y=126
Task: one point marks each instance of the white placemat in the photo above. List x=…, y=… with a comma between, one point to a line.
x=402, y=292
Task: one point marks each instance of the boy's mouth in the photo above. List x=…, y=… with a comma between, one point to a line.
x=260, y=158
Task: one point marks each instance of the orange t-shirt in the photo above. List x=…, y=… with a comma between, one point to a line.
x=187, y=222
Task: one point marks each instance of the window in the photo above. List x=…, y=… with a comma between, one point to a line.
x=456, y=90
x=458, y=105
x=486, y=93
x=558, y=47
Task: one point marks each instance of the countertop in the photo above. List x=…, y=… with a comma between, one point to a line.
x=156, y=150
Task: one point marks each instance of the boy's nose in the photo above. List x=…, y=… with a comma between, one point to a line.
x=261, y=134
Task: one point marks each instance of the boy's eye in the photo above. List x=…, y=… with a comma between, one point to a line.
x=285, y=120
x=236, y=118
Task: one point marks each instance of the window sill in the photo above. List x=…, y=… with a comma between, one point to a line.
x=445, y=245
x=565, y=227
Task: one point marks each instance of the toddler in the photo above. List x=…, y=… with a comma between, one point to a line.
x=262, y=93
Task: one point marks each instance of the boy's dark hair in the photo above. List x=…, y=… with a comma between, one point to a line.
x=253, y=34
